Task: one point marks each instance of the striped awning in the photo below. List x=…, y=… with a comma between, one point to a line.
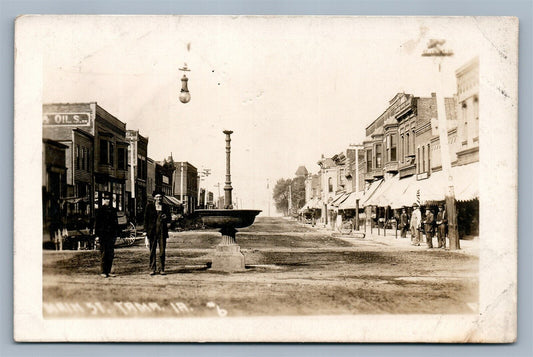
x=398, y=193
x=173, y=201
x=351, y=201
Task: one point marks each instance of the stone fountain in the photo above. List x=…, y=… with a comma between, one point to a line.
x=228, y=256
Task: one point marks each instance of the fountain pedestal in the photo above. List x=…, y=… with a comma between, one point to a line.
x=227, y=256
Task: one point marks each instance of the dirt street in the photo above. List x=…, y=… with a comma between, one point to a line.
x=291, y=270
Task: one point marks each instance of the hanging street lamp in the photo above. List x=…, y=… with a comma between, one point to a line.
x=185, y=96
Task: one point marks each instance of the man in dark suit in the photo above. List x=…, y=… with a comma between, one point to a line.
x=156, y=218
x=442, y=224
x=404, y=223
x=106, y=229
x=429, y=227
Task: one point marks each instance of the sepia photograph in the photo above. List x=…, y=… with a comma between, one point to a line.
x=265, y=178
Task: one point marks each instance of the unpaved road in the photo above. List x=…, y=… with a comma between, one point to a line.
x=291, y=270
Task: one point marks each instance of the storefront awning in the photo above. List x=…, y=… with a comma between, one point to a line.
x=331, y=201
x=434, y=188
x=380, y=196
x=370, y=192
x=173, y=201
x=351, y=201
x=340, y=199
x=466, y=180
x=313, y=203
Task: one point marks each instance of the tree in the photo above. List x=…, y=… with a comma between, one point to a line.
x=281, y=194
x=298, y=192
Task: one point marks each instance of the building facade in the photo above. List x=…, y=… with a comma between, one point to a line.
x=185, y=185
x=96, y=154
x=468, y=112
x=54, y=189
x=150, y=179
x=164, y=176
x=136, y=181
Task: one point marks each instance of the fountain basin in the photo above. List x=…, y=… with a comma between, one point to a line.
x=227, y=256
x=228, y=218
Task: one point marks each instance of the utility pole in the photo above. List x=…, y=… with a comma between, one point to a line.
x=290, y=199
x=181, y=189
x=218, y=198
x=201, y=176
x=434, y=50
x=268, y=189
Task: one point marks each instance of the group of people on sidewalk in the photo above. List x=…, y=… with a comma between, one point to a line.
x=156, y=220
x=429, y=225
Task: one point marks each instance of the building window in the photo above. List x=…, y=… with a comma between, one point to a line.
x=104, y=151
x=407, y=147
x=378, y=156
x=330, y=184
x=429, y=158
x=423, y=158
x=402, y=148
x=393, y=144
x=413, y=143
x=418, y=161
x=121, y=158
x=77, y=157
x=368, y=160
x=111, y=153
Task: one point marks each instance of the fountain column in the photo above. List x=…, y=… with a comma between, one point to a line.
x=228, y=256
x=228, y=203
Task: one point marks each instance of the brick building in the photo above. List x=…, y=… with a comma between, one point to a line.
x=185, y=185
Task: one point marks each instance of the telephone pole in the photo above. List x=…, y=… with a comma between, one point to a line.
x=434, y=49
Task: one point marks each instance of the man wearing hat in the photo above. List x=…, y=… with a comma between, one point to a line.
x=106, y=229
x=442, y=224
x=156, y=218
x=429, y=227
x=404, y=223
x=416, y=221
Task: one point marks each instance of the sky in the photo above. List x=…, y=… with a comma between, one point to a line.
x=291, y=88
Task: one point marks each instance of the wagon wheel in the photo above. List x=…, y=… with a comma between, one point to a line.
x=132, y=234
x=346, y=228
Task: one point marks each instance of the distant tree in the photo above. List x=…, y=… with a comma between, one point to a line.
x=281, y=194
x=298, y=192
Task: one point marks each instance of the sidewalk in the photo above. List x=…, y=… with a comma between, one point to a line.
x=468, y=246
